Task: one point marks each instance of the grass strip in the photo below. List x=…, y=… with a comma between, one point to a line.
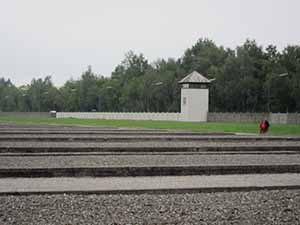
x=287, y=129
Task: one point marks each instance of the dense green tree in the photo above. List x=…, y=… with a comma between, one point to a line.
x=202, y=56
x=290, y=61
x=247, y=79
x=41, y=95
x=8, y=96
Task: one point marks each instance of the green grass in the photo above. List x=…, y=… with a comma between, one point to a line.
x=210, y=126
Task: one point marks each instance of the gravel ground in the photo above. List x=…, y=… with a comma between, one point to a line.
x=254, y=207
x=103, y=132
x=139, y=144
x=135, y=137
x=143, y=138
x=247, y=208
x=35, y=126
x=132, y=135
x=144, y=160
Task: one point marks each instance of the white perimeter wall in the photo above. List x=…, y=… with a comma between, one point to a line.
x=120, y=116
x=193, y=108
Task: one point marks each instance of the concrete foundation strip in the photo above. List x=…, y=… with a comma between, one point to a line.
x=135, y=185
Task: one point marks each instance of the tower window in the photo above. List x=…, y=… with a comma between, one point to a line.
x=184, y=101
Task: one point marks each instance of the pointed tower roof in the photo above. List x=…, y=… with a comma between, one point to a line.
x=194, y=78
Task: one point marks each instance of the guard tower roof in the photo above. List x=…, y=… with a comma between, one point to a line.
x=194, y=78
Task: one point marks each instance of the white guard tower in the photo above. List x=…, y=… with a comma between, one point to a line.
x=194, y=97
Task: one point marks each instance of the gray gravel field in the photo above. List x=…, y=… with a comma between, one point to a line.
x=274, y=207
x=45, y=126
x=246, y=208
x=126, y=135
x=143, y=144
x=144, y=160
x=143, y=137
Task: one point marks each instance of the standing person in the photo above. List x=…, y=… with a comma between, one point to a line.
x=262, y=126
x=267, y=125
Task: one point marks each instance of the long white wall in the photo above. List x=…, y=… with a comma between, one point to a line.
x=120, y=116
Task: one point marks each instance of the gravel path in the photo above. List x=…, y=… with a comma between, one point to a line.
x=108, y=132
x=45, y=126
x=143, y=138
x=139, y=144
x=134, y=135
x=144, y=160
x=247, y=208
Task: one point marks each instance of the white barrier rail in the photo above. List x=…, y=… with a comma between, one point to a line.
x=120, y=115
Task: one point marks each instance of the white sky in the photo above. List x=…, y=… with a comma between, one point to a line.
x=62, y=37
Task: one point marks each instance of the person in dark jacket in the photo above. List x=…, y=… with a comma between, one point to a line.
x=264, y=126
x=267, y=125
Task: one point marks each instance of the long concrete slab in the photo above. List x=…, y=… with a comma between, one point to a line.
x=106, y=153
x=111, y=185
x=109, y=132
x=145, y=165
x=64, y=127
x=146, y=147
x=141, y=137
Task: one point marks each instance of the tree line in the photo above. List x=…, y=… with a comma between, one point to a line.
x=249, y=78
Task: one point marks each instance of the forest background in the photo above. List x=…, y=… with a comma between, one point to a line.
x=250, y=78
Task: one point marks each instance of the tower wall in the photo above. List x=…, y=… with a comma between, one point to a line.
x=194, y=104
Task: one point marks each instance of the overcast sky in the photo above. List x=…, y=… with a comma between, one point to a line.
x=62, y=37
